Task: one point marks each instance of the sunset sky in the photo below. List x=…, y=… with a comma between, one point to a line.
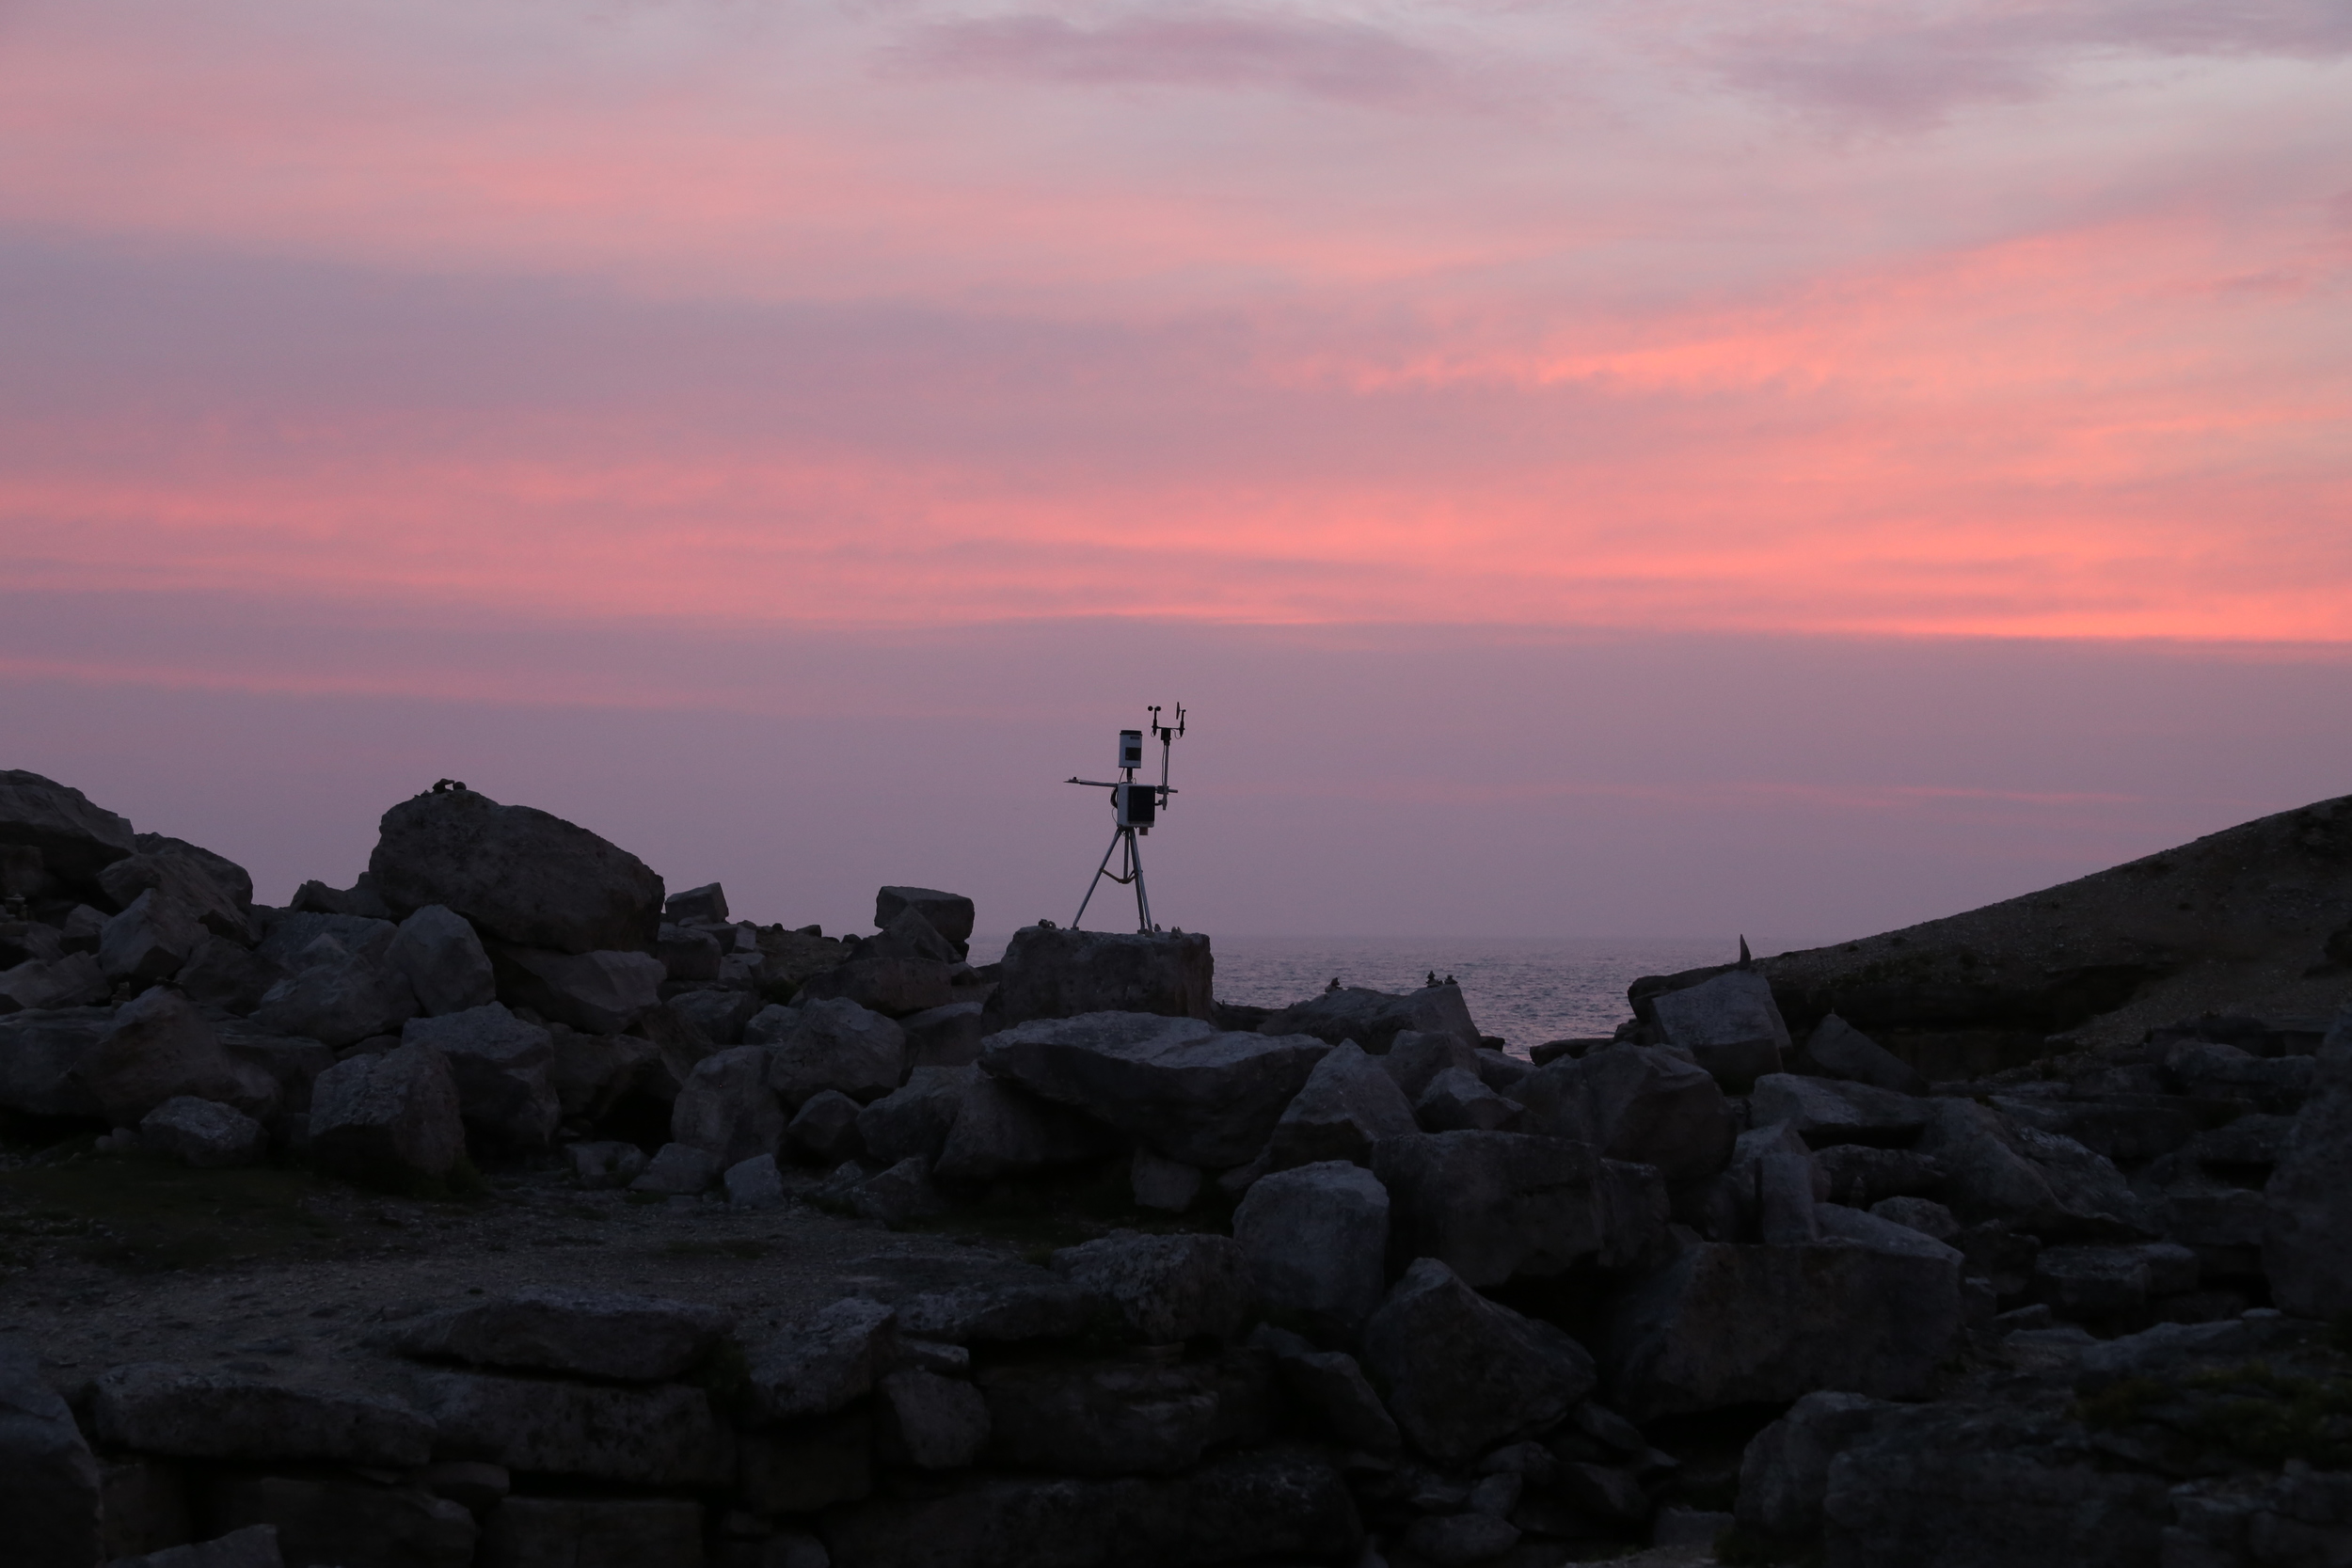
x=1595, y=468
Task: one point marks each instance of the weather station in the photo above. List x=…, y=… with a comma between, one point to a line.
x=1136, y=808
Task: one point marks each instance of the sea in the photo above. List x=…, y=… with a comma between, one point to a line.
x=1526, y=990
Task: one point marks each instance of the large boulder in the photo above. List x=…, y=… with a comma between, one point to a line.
x=1463, y=1374
x=221, y=903
x=1002, y=1129
x=191, y=1413
x=1179, y=1085
x=1634, y=1102
x=819, y=1364
x=595, y=1334
x=1416, y=1056
x=1784, y=1475
x=158, y=1047
x=74, y=980
x=226, y=975
x=504, y=1071
x=1837, y=1049
x=1108, y=1417
x=948, y=914
x=76, y=840
x=1165, y=1289
x=1498, y=1206
x=2042, y=1182
x=1728, y=1025
x=891, y=983
x=1346, y=1106
x=727, y=1108
x=204, y=1133
x=1373, y=1019
x=1722, y=1324
x=522, y=876
x=149, y=940
x=1826, y=1111
x=2307, y=1237
x=836, y=1044
x=442, y=957
x=645, y=1434
x=916, y=1118
x=389, y=1119
x=1050, y=973
x=337, y=995
x=49, y=1483
x=38, y=1052
x=1315, y=1238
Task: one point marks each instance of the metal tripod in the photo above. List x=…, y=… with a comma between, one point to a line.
x=1131, y=870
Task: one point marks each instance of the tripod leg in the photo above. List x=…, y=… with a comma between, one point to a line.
x=1143, y=903
x=1097, y=881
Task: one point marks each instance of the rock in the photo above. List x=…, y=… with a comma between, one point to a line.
x=1192, y=1093
x=148, y=940
x=771, y=1026
x=929, y=1422
x=2211, y=1070
x=688, y=952
x=35, y=985
x=754, y=1183
x=350, y=1523
x=678, y=1170
x=836, y=1044
x=598, y=1166
x=503, y=1068
x=223, y=975
x=158, y=1047
x=1465, y=1374
x=1460, y=1102
x=2307, y=1238
x=184, y=1413
x=949, y=915
x=1001, y=1129
x=1315, y=1242
x=2039, y=1181
x=824, y=1131
x=655, y=1434
x=718, y=1016
x=1108, y=1417
x=1828, y=1110
x=292, y=932
x=1034, y=1305
x=1784, y=1200
x=254, y=1547
x=897, y=1196
x=522, y=875
x=1167, y=1185
x=600, y=1334
x=1460, y=1540
x=1837, y=1049
x=222, y=905
x=884, y=982
x=1922, y=1214
x=1166, y=1288
x=914, y=1121
x=2106, y=1281
x=593, y=1074
x=815, y=1367
x=75, y=839
x=1330, y=1384
x=1860, y=1174
x=1346, y=1106
x=443, y=961
x=336, y=996
x=387, y=1120
x=1971, y=1484
x=705, y=905
x=602, y=992
x=1728, y=1025
x=585, y=1532
x=943, y=1037
x=1784, y=1473
x=204, y=1133
x=49, y=1483
x=1496, y=1206
x=1636, y=1103
x=727, y=1108
x=908, y=935
x=37, y=1051
x=1373, y=1019
x=1417, y=1055
x=1050, y=974
x=1722, y=1324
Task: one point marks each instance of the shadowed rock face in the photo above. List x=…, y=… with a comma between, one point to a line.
x=2257, y=914
x=521, y=874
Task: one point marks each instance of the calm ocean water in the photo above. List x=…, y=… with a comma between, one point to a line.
x=1526, y=990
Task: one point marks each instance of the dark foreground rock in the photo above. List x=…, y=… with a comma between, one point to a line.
x=520, y=875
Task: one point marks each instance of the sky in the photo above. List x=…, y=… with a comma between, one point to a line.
x=1592, y=469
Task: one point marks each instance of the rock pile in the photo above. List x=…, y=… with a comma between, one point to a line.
x=1413, y=1299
